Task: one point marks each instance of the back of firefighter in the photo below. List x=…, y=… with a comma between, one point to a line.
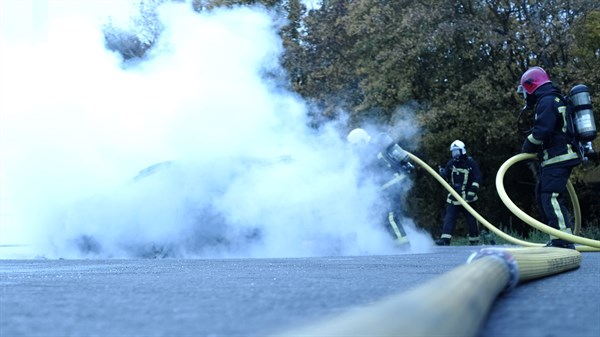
x=389, y=167
x=550, y=139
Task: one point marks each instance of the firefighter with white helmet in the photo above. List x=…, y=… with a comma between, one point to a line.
x=463, y=174
x=391, y=165
x=358, y=136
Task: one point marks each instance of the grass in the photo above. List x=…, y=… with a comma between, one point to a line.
x=535, y=236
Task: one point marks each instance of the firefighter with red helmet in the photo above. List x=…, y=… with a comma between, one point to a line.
x=551, y=141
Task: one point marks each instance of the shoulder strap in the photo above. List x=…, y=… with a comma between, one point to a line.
x=565, y=101
x=562, y=99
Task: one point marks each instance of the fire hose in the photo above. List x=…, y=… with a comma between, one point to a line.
x=459, y=310
x=588, y=245
x=470, y=289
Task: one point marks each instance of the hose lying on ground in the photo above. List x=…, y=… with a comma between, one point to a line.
x=453, y=304
x=469, y=290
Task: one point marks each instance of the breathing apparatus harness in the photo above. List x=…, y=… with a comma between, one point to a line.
x=580, y=105
x=394, y=156
x=581, y=126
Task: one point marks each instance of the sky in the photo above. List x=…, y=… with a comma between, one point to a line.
x=241, y=174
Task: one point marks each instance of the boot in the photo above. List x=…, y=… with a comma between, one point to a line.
x=559, y=243
x=401, y=241
x=443, y=242
x=487, y=237
x=474, y=240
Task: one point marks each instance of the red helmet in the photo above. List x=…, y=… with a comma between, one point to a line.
x=533, y=78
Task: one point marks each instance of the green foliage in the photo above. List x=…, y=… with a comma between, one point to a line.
x=454, y=64
x=206, y=5
x=461, y=62
x=135, y=41
x=591, y=232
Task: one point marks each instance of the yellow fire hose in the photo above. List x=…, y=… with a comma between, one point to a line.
x=460, y=308
x=588, y=244
x=468, y=290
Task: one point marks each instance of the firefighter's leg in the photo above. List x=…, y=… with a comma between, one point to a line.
x=553, y=188
x=538, y=199
x=472, y=226
x=396, y=228
x=449, y=223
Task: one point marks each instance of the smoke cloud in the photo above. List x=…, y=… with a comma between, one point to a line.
x=198, y=150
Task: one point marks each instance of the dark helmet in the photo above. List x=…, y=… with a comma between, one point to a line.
x=532, y=79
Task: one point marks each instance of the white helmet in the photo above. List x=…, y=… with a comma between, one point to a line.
x=458, y=145
x=358, y=136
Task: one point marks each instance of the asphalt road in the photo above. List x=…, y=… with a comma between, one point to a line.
x=258, y=297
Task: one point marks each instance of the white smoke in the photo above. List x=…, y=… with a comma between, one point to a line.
x=244, y=175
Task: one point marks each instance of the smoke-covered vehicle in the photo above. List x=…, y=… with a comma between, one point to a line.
x=317, y=203
x=166, y=210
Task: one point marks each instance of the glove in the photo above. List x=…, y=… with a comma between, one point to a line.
x=529, y=147
x=442, y=171
x=472, y=192
x=407, y=167
x=471, y=196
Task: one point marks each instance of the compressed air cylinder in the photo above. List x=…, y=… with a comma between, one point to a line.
x=585, y=124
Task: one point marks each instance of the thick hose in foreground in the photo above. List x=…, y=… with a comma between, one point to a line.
x=453, y=304
x=456, y=303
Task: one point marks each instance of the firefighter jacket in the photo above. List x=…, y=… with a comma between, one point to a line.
x=550, y=137
x=391, y=176
x=464, y=175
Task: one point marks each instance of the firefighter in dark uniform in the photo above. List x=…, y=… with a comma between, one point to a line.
x=390, y=167
x=464, y=175
x=550, y=139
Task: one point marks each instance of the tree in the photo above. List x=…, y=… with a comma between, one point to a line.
x=134, y=41
x=461, y=61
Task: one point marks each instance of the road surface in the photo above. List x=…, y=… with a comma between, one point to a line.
x=259, y=297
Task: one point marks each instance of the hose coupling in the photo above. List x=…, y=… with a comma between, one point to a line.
x=504, y=256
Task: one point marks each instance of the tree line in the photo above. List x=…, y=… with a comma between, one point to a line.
x=449, y=66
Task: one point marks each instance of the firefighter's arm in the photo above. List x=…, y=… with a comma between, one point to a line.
x=545, y=120
x=398, y=178
x=472, y=192
x=531, y=145
x=474, y=187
